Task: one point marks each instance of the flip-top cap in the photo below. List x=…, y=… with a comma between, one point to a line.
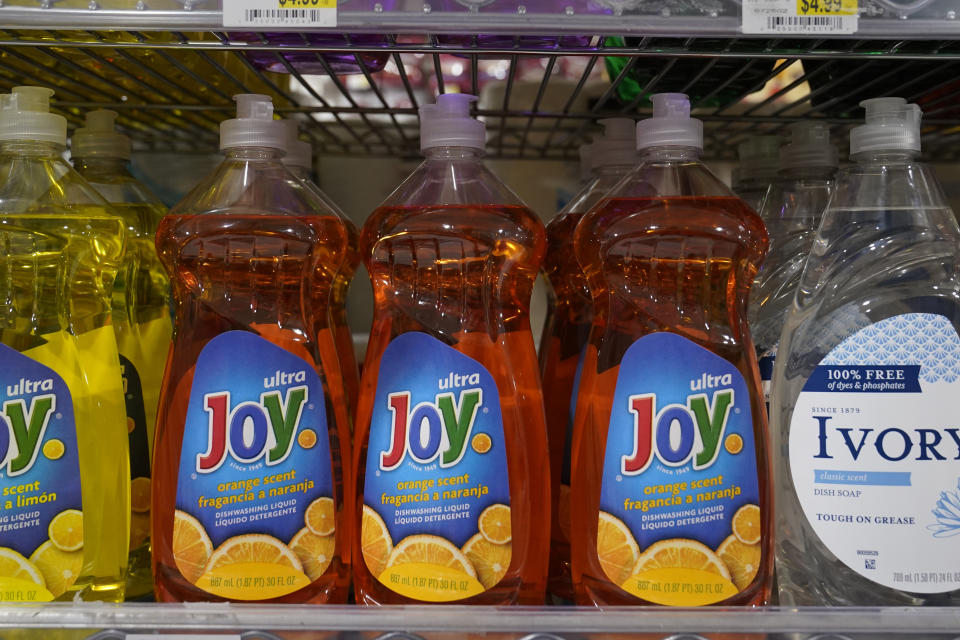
x=99, y=137
x=809, y=146
x=448, y=123
x=759, y=153
x=254, y=125
x=25, y=115
x=617, y=145
x=299, y=152
x=671, y=124
x=891, y=125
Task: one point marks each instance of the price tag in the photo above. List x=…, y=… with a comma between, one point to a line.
x=809, y=17
x=279, y=13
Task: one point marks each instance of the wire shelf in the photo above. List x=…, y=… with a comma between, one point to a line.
x=172, y=89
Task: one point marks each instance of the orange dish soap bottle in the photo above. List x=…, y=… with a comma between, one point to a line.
x=671, y=477
x=453, y=496
x=248, y=501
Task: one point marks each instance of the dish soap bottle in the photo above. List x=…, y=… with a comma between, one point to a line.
x=865, y=383
x=451, y=464
x=248, y=492
x=670, y=483
x=569, y=316
x=141, y=315
x=791, y=211
x=759, y=163
x=63, y=437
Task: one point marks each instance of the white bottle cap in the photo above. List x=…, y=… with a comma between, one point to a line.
x=586, y=168
x=448, y=123
x=760, y=154
x=254, y=125
x=299, y=152
x=99, y=137
x=25, y=115
x=809, y=146
x=671, y=124
x=617, y=145
x=891, y=125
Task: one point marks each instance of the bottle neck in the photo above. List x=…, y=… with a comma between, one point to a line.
x=253, y=153
x=898, y=156
x=300, y=172
x=613, y=170
x=452, y=154
x=812, y=173
x=100, y=165
x=32, y=148
x=671, y=154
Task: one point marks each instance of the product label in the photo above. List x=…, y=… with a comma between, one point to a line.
x=679, y=476
x=255, y=511
x=279, y=13
x=41, y=521
x=139, y=454
x=874, y=444
x=799, y=16
x=436, y=517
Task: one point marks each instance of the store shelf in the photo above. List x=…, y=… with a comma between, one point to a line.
x=257, y=621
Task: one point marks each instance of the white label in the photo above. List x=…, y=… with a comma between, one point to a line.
x=799, y=16
x=279, y=13
x=874, y=444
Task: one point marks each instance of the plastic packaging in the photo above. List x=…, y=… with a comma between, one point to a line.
x=315, y=62
x=299, y=160
x=791, y=211
x=865, y=383
x=461, y=512
x=670, y=486
x=248, y=495
x=141, y=315
x=759, y=164
x=569, y=315
x=68, y=481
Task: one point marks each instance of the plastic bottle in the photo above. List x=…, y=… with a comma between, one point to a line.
x=791, y=211
x=249, y=422
x=299, y=160
x=453, y=255
x=567, y=327
x=865, y=385
x=670, y=487
x=64, y=439
x=141, y=315
x=759, y=164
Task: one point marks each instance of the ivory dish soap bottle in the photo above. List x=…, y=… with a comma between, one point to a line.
x=865, y=386
x=63, y=436
x=670, y=473
x=141, y=315
x=759, y=162
x=248, y=490
x=452, y=472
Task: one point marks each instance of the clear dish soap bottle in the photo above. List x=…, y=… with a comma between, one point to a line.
x=299, y=160
x=865, y=386
x=63, y=437
x=248, y=491
x=670, y=473
x=569, y=316
x=451, y=465
x=759, y=163
x=791, y=211
x=141, y=315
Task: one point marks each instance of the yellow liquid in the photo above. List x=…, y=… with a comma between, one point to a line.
x=56, y=278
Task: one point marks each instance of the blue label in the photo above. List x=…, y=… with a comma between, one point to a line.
x=679, y=469
x=436, y=473
x=255, y=468
x=39, y=480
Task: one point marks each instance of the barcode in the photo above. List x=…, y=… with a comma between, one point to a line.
x=283, y=15
x=788, y=22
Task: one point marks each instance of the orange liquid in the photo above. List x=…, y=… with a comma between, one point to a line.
x=270, y=275
x=564, y=337
x=470, y=287
x=678, y=264
x=338, y=316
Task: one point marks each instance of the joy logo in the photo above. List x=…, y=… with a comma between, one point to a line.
x=250, y=430
x=677, y=433
x=23, y=429
x=430, y=430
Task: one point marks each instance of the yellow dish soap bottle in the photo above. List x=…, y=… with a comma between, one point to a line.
x=63, y=445
x=141, y=315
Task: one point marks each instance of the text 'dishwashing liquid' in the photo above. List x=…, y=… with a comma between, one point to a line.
x=670, y=474
x=611, y=157
x=64, y=470
x=248, y=484
x=451, y=460
x=141, y=315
